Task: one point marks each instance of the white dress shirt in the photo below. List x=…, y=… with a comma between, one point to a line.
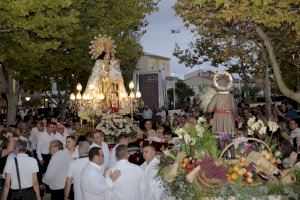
x=75, y=169
x=113, y=159
x=57, y=170
x=43, y=145
x=147, y=114
x=33, y=138
x=154, y=185
x=94, y=185
x=74, y=155
x=106, y=152
x=131, y=185
x=60, y=137
x=27, y=166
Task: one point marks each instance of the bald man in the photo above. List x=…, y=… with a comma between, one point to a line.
x=150, y=169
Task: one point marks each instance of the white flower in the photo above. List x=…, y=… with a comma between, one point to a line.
x=277, y=154
x=180, y=132
x=261, y=123
x=255, y=126
x=251, y=121
x=263, y=130
x=187, y=138
x=193, y=141
x=201, y=120
x=250, y=132
x=200, y=130
x=272, y=126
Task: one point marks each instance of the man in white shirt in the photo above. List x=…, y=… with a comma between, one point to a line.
x=75, y=169
x=28, y=169
x=150, y=168
x=57, y=171
x=147, y=114
x=94, y=185
x=122, y=140
x=42, y=149
x=60, y=134
x=35, y=133
x=98, y=141
x=131, y=184
x=72, y=149
x=163, y=114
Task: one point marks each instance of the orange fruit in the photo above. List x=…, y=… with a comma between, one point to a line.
x=233, y=177
x=186, y=160
x=249, y=180
x=249, y=174
x=243, y=159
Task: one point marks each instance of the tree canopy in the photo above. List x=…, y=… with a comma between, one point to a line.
x=46, y=41
x=243, y=31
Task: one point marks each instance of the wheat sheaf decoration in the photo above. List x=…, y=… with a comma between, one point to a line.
x=100, y=44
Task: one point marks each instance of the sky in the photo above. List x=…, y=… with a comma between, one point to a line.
x=159, y=39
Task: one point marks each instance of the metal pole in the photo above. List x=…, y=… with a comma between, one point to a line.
x=174, y=103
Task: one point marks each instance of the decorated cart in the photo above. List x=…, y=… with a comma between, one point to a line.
x=196, y=169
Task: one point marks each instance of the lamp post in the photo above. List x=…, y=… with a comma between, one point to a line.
x=135, y=99
x=88, y=101
x=174, y=104
x=27, y=98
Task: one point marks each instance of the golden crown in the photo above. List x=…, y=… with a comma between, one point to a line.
x=102, y=44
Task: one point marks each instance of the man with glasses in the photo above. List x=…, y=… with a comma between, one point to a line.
x=43, y=144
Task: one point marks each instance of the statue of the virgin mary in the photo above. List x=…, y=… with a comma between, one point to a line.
x=105, y=83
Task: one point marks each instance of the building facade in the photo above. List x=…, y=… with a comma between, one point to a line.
x=151, y=62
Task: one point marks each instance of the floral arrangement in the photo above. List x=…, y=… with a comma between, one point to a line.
x=197, y=139
x=191, y=171
x=260, y=127
x=114, y=125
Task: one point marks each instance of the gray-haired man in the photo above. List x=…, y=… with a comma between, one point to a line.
x=56, y=174
x=28, y=169
x=75, y=169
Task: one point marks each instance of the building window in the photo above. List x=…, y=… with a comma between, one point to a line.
x=151, y=66
x=163, y=66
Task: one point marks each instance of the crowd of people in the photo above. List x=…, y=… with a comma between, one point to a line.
x=40, y=155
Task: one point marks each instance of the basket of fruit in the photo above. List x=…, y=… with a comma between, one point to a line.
x=255, y=169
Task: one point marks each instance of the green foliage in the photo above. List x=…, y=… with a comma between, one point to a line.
x=208, y=142
x=182, y=92
x=227, y=35
x=48, y=40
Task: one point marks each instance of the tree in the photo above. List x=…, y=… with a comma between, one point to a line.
x=28, y=31
x=182, y=93
x=272, y=26
x=66, y=61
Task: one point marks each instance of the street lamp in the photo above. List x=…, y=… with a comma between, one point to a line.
x=135, y=99
x=174, y=104
x=27, y=98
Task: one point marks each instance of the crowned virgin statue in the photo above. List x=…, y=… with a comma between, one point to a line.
x=105, y=83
